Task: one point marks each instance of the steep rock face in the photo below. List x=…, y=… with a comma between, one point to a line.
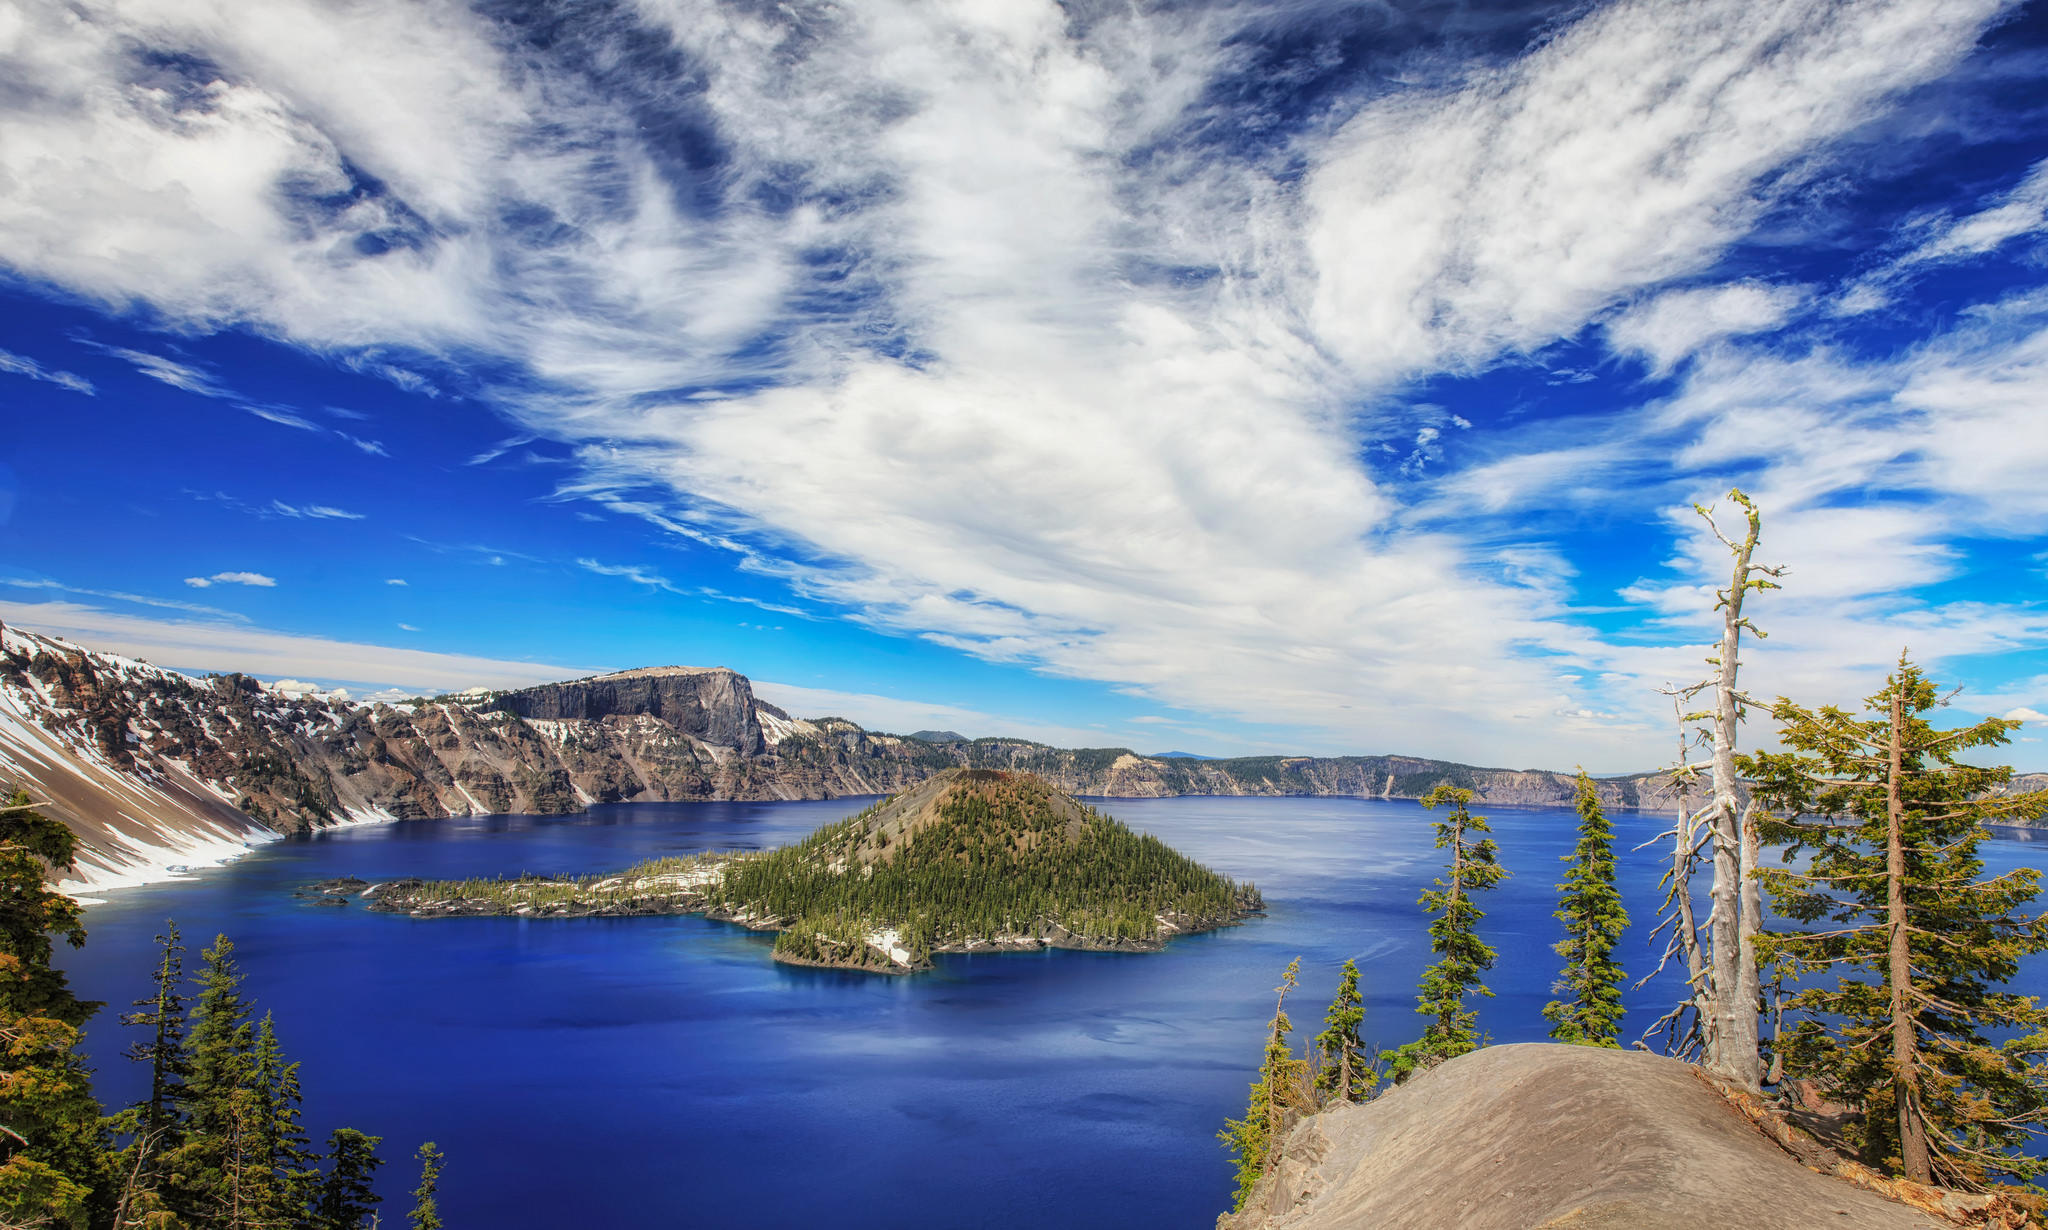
x=714, y=706
x=1551, y=1137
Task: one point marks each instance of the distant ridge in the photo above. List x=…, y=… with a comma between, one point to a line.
x=154, y=769
x=1182, y=756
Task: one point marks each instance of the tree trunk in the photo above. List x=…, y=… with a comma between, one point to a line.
x=1732, y=1043
x=1905, y=1043
x=1748, y=979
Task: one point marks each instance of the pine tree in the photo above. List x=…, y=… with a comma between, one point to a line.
x=347, y=1195
x=282, y=1146
x=153, y=1126
x=426, y=1212
x=1454, y=937
x=1282, y=1090
x=163, y=1015
x=1342, y=1074
x=53, y=1161
x=1589, y=905
x=217, y=1174
x=1915, y=943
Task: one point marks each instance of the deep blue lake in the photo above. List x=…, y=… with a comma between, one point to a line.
x=664, y=1072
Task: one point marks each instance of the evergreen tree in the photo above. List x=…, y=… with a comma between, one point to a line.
x=1454, y=937
x=152, y=1125
x=217, y=1174
x=1342, y=1074
x=1916, y=943
x=53, y=1162
x=163, y=1015
x=1283, y=1089
x=347, y=1195
x=282, y=1147
x=1589, y=905
x=426, y=1212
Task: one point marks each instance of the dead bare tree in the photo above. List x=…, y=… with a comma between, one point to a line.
x=1717, y=1021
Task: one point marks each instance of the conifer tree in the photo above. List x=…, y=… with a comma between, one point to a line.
x=53, y=1160
x=218, y=1173
x=1589, y=905
x=426, y=1211
x=163, y=1014
x=347, y=1195
x=1282, y=1089
x=282, y=1146
x=1343, y=1075
x=1454, y=937
x=152, y=1125
x=1915, y=943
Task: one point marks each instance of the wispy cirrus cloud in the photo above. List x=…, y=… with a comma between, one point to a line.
x=22, y=365
x=638, y=575
x=254, y=579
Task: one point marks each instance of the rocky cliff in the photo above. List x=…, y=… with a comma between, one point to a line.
x=153, y=768
x=1557, y=1138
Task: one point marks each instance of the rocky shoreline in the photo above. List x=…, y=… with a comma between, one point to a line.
x=411, y=896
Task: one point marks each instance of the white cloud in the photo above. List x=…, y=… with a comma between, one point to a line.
x=2024, y=714
x=396, y=581
x=1515, y=203
x=632, y=573
x=22, y=365
x=256, y=579
x=192, y=645
x=316, y=512
x=1088, y=464
x=1667, y=328
x=165, y=370
x=168, y=604
x=900, y=716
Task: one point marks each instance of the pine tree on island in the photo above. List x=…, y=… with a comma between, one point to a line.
x=1590, y=907
x=1913, y=944
x=1454, y=937
x=1342, y=1072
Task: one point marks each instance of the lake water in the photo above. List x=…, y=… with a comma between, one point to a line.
x=656, y=1072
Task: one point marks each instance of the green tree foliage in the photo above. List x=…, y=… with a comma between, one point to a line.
x=153, y=1126
x=1915, y=943
x=1589, y=905
x=1343, y=1073
x=1462, y=957
x=52, y=1147
x=426, y=1211
x=1282, y=1090
x=1005, y=854
x=347, y=1197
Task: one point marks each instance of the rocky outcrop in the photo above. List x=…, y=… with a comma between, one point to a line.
x=1552, y=1137
x=713, y=706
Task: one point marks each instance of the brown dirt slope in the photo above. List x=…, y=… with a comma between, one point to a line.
x=1543, y=1137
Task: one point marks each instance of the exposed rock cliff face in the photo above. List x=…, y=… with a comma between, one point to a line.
x=1551, y=1137
x=714, y=706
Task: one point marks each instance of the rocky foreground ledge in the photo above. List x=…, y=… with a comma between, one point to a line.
x=1566, y=1138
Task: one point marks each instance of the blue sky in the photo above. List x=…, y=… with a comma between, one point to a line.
x=1231, y=377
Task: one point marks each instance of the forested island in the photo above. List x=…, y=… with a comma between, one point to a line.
x=973, y=860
